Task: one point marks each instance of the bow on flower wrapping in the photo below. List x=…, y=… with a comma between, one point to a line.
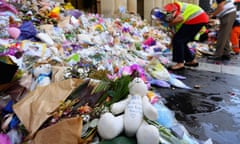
x=35, y=108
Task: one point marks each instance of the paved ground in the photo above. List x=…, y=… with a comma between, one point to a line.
x=212, y=108
x=228, y=67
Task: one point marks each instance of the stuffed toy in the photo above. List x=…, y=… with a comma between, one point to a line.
x=41, y=75
x=135, y=107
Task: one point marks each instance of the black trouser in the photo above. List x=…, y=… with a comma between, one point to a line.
x=185, y=34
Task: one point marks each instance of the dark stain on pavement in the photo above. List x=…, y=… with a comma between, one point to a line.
x=210, y=110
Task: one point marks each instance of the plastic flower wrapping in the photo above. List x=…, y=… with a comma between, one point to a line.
x=93, y=60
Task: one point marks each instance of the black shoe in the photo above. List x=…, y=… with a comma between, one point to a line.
x=226, y=57
x=195, y=64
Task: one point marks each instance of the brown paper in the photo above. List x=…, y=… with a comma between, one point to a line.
x=4, y=87
x=67, y=131
x=33, y=110
x=26, y=80
x=58, y=73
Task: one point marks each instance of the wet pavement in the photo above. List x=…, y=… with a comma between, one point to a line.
x=211, y=109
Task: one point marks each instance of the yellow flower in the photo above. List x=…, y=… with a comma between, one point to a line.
x=68, y=6
x=98, y=27
x=150, y=94
x=54, y=13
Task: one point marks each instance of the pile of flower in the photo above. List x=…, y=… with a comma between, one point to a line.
x=93, y=59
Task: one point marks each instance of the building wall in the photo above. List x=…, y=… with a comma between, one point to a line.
x=150, y=4
x=109, y=7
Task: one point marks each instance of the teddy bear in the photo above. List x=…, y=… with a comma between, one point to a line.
x=128, y=115
x=41, y=75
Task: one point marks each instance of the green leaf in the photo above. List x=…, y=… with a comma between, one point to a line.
x=166, y=133
x=119, y=88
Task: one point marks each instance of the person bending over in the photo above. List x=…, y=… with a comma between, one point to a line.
x=187, y=20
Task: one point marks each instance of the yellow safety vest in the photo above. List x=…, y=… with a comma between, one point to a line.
x=188, y=12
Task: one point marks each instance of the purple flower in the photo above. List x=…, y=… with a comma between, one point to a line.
x=126, y=29
x=137, y=68
x=75, y=47
x=75, y=13
x=4, y=139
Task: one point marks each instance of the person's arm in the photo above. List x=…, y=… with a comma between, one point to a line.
x=177, y=19
x=218, y=9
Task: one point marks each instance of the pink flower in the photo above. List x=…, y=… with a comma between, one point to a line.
x=149, y=42
x=112, y=77
x=126, y=70
x=4, y=139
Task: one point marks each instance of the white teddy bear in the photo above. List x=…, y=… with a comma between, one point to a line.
x=135, y=107
x=42, y=75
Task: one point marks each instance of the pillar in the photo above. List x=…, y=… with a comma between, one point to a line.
x=132, y=6
x=107, y=7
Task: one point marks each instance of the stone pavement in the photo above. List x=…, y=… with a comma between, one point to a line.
x=229, y=67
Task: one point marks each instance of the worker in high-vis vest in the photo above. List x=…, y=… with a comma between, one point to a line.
x=235, y=35
x=226, y=13
x=187, y=19
x=235, y=32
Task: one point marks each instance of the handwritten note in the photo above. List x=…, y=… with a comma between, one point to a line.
x=134, y=107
